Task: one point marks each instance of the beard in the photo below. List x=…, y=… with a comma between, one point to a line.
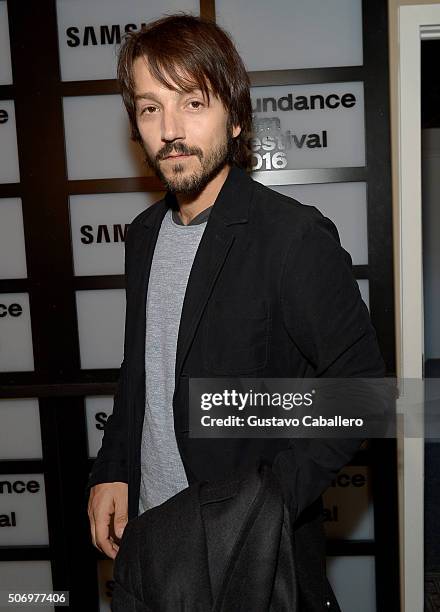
x=210, y=165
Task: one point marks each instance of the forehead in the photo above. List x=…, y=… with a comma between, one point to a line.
x=145, y=80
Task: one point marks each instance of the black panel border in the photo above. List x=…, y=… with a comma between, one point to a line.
x=58, y=380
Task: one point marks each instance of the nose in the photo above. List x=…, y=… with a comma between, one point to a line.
x=172, y=126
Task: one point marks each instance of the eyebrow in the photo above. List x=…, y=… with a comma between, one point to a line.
x=150, y=95
x=146, y=94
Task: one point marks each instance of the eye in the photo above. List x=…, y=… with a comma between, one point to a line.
x=197, y=103
x=148, y=110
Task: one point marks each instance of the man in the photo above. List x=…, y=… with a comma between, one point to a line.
x=224, y=277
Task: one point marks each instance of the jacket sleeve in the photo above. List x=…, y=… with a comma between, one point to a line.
x=111, y=463
x=325, y=317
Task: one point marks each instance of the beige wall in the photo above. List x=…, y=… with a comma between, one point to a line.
x=393, y=14
x=393, y=8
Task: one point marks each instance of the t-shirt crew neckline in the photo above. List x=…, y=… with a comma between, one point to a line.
x=202, y=217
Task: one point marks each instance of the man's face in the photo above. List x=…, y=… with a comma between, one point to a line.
x=185, y=140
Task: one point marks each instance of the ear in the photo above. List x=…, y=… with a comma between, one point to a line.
x=236, y=130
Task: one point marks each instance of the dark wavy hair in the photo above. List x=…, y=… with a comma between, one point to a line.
x=193, y=53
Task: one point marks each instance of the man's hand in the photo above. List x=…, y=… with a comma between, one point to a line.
x=107, y=500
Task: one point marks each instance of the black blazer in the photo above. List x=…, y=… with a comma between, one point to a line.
x=271, y=293
x=214, y=547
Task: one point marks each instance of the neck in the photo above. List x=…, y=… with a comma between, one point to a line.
x=191, y=206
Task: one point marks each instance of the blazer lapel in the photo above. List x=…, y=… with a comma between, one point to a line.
x=230, y=208
x=213, y=249
x=137, y=285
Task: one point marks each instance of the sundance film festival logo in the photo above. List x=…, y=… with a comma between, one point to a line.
x=270, y=144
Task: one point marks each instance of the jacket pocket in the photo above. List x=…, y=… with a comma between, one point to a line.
x=236, y=336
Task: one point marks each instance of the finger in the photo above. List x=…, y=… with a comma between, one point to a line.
x=102, y=534
x=114, y=544
x=121, y=518
x=93, y=529
x=92, y=526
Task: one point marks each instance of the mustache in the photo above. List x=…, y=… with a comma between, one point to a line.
x=178, y=148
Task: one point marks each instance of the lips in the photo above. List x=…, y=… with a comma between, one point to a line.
x=177, y=156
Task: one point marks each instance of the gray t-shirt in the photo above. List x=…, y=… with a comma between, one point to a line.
x=162, y=471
